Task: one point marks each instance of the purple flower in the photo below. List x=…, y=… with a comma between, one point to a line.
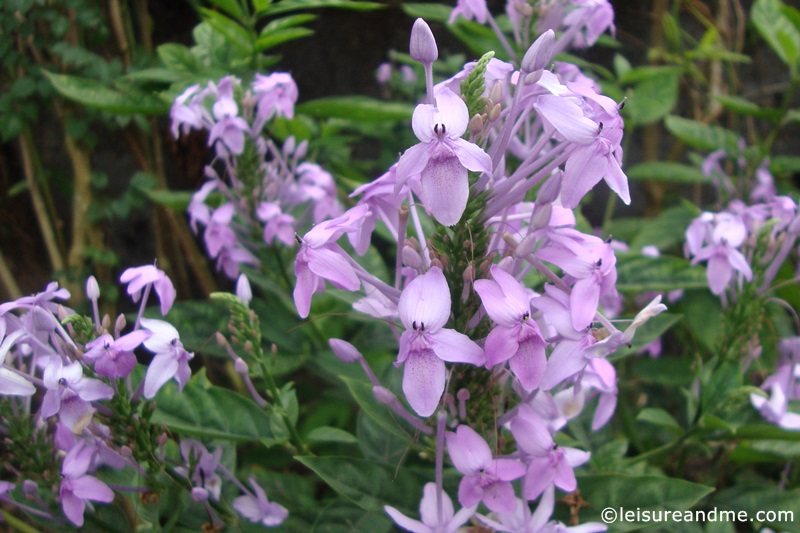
x=257, y=508
x=171, y=359
x=137, y=278
x=547, y=462
x=204, y=477
x=442, y=157
x=723, y=233
x=230, y=128
x=448, y=522
x=277, y=224
x=69, y=394
x=589, y=260
x=276, y=94
x=597, y=154
x=115, y=358
x=485, y=479
x=424, y=309
x=77, y=486
x=470, y=10
x=516, y=337
x=593, y=16
x=320, y=258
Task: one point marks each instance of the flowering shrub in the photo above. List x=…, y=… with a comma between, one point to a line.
x=486, y=332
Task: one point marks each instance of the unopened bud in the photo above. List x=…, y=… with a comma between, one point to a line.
x=541, y=216
x=526, y=246
x=411, y=258
x=423, y=44
x=120, y=323
x=533, y=77
x=125, y=451
x=289, y=145
x=344, y=351
x=30, y=488
x=469, y=274
x=524, y=9
x=383, y=395
x=43, y=320
x=494, y=114
x=475, y=125
x=496, y=92
x=199, y=494
x=549, y=191
x=106, y=322
x=240, y=366
x=243, y=291
x=436, y=262
x=220, y=338
x=92, y=288
x=510, y=241
x=540, y=53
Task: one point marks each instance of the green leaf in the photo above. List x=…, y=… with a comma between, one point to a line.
x=653, y=97
x=233, y=32
x=667, y=371
x=666, y=231
x=742, y=106
x=637, y=273
x=295, y=5
x=197, y=321
x=175, y=200
x=784, y=164
x=368, y=484
x=356, y=108
x=205, y=411
x=659, y=417
x=178, y=58
x=429, y=12
x=98, y=95
x=636, y=493
x=287, y=22
x=752, y=499
x=666, y=171
x=702, y=136
x=779, y=32
x=650, y=331
x=341, y=516
x=379, y=413
x=276, y=37
x=231, y=7
x=331, y=434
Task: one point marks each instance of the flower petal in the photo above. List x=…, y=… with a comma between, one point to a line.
x=455, y=347
x=426, y=300
x=445, y=189
x=468, y=451
x=423, y=381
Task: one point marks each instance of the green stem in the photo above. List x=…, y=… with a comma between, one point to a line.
x=297, y=441
x=16, y=524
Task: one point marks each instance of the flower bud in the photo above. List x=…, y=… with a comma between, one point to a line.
x=541, y=216
x=549, y=191
x=241, y=366
x=199, y=494
x=526, y=245
x=540, y=52
x=302, y=149
x=494, y=113
x=411, y=257
x=120, y=323
x=475, y=125
x=496, y=92
x=344, y=351
x=423, y=44
x=243, y=291
x=383, y=395
x=30, y=488
x=289, y=145
x=43, y=320
x=92, y=288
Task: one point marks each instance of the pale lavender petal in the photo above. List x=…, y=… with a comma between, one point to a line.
x=51, y=403
x=719, y=273
x=738, y=261
x=15, y=385
x=307, y=282
x=426, y=300
x=575, y=457
x=162, y=368
x=422, y=122
x=470, y=491
x=409, y=524
x=472, y=156
x=91, y=488
x=73, y=507
x=331, y=265
x=428, y=509
x=565, y=361
x=494, y=300
x=161, y=330
x=75, y=414
x=445, y=189
x=93, y=389
x=507, y=469
x=583, y=301
x=605, y=410
x=540, y=476
x=413, y=161
x=544, y=510
x=451, y=111
x=132, y=339
x=567, y=117
x=166, y=294
x=468, y=451
x=455, y=347
x=501, y=345
x=423, y=381
x=529, y=363
x=499, y=497
x=248, y=507
x=584, y=169
x=530, y=432
x=564, y=477
x=461, y=517
x=617, y=180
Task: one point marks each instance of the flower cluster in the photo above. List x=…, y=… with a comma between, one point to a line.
x=462, y=302
x=93, y=410
x=745, y=246
x=257, y=191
